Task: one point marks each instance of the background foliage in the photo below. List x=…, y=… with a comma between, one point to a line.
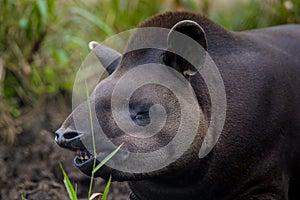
x=42, y=42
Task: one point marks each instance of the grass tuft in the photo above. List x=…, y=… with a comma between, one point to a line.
x=106, y=189
x=70, y=189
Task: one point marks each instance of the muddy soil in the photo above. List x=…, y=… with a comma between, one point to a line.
x=30, y=168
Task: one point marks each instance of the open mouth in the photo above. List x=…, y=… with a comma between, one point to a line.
x=82, y=157
x=85, y=162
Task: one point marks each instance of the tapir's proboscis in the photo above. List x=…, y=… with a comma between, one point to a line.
x=256, y=155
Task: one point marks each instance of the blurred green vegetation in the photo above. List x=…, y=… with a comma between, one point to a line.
x=43, y=42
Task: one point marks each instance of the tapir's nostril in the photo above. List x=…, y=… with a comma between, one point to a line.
x=70, y=135
x=63, y=137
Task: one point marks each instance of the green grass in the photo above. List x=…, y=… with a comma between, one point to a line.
x=107, y=158
x=72, y=190
x=106, y=189
x=93, y=137
x=22, y=197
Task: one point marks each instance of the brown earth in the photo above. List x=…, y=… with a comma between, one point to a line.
x=30, y=168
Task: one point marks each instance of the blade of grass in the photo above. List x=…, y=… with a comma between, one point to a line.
x=43, y=11
x=96, y=168
x=76, y=189
x=106, y=189
x=68, y=185
x=93, y=138
x=94, y=19
x=22, y=197
x=106, y=159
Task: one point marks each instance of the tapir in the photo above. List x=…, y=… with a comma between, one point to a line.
x=257, y=154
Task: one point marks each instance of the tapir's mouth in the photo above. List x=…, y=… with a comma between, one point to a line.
x=82, y=157
x=85, y=162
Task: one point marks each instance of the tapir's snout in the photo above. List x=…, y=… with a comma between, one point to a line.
x=71, y=139
x=68, y=138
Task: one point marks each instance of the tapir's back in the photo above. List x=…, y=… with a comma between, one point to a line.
x=284, y=38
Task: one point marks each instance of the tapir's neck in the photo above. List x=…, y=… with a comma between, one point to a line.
x=178, y=186
x=143, y=190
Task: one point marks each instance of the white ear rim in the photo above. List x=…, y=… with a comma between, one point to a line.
x=186, y=22
x=93, y=45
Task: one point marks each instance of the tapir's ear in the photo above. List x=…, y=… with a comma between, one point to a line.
x=109, y=58
x=188, y=40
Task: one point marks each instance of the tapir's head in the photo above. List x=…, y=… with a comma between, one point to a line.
x=150, y=103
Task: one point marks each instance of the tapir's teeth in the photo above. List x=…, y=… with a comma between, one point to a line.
x=83, y=155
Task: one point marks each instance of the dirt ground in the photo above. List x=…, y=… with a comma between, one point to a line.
x=30, y=166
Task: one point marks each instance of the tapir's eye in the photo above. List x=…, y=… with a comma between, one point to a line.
x=142, y=115
x=139, y=112
x=141, y=118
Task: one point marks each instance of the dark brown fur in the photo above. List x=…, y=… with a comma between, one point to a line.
x=258, y=153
